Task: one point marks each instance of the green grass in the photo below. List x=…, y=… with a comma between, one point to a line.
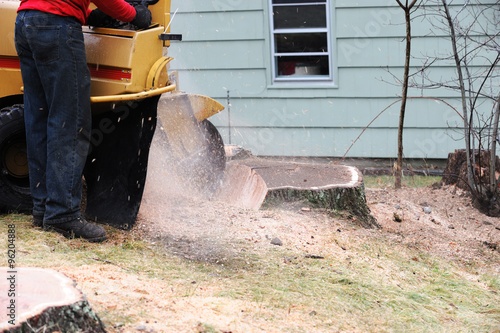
x=408, y=181
x=375, y=285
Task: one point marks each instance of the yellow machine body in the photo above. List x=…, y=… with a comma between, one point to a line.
x=124, y=64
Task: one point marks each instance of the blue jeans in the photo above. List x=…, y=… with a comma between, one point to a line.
x=56, y=111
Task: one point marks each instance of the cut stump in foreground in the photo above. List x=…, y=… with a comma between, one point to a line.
x=336, y=187
x=43, y=300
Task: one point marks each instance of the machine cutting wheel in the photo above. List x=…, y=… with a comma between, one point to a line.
x=191, y=154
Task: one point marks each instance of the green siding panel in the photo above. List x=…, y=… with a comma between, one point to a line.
x=365, y=3
x=215, y=83
x=374, y=22
x=216, y=26
x=389, y=3
x=338, y=113
x=355, y=82
x=390, y=52
x=218, y=55
x=219, y=6
x=370, y=52
x=373, y=143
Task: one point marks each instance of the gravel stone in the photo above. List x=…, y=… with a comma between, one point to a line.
x=276, y=241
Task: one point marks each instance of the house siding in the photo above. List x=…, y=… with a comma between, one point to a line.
x=226, y=47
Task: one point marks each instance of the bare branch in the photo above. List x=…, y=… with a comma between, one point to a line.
x=461, y=9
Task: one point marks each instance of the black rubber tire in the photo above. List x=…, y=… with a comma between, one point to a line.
x=14, y=184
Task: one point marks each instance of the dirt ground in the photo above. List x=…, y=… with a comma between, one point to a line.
x=435, y=219
x=439, y=219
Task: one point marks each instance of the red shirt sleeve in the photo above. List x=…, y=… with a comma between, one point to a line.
x=118, y=9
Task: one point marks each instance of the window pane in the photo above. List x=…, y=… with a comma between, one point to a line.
x=308, y=16
x=298, y=1
x=302, y=66
x=301, y=43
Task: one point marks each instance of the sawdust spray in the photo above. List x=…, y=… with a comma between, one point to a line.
x=177, y=214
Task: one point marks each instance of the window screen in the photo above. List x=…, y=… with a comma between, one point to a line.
x=301, y=40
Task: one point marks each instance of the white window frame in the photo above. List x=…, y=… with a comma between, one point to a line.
x=274, y=55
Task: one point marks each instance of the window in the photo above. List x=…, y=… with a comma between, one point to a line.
x=301, y=40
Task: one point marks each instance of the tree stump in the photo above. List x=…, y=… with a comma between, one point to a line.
x=351, y=200
x=43, y=300
x=336, y=187
x=455, y=172
x=483, y=197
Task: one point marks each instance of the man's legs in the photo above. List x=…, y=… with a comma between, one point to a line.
x=57, y=114
x=66, y=82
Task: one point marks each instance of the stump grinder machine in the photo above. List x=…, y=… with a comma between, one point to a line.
x=132, y=94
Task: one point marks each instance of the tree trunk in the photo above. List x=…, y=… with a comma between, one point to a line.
x=467, y=125
x=493, y=147
x=43, y=300
x=399, y=166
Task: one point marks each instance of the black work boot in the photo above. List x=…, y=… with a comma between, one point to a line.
x=79, y=228
x=38, y=221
